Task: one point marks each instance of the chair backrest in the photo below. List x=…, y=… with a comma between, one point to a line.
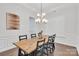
x=50, y=39
x=33, y=35
x=21, y=37
x=40, y=43
x=54, y=35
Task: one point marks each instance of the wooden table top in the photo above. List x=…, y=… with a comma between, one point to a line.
x=29, y=45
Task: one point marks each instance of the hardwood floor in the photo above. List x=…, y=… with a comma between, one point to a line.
x=60, y=50
x=64, y=50
x=11, y=52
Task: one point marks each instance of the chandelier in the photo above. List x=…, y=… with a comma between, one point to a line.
x=41, y=17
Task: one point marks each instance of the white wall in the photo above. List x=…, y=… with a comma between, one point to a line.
x=63, y=22
x=8, y=37
x=77, y=42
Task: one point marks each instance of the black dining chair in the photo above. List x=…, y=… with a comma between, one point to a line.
x=21, y=52
x=40, y=50
x=50, y=45
x=33, y=35
x=21, y=37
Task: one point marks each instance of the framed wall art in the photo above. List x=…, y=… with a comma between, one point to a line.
x=12, y=21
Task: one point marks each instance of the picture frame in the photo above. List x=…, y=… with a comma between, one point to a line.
x=12, y=21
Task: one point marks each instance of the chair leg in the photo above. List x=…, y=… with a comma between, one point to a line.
x=53, y=48
x=54, y=45
x=46, y=51
x=19, y=52
x=34, y=53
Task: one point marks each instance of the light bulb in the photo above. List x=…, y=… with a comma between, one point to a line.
x=38, y=14
x=37, y=20
x=43, y=14
x=44, y=21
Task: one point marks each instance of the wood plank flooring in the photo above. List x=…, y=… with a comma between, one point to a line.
x=60, y=50
x=64, y=50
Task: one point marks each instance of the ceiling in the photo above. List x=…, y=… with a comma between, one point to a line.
x=46, y=7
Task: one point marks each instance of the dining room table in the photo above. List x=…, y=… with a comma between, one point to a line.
x=30, y=44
